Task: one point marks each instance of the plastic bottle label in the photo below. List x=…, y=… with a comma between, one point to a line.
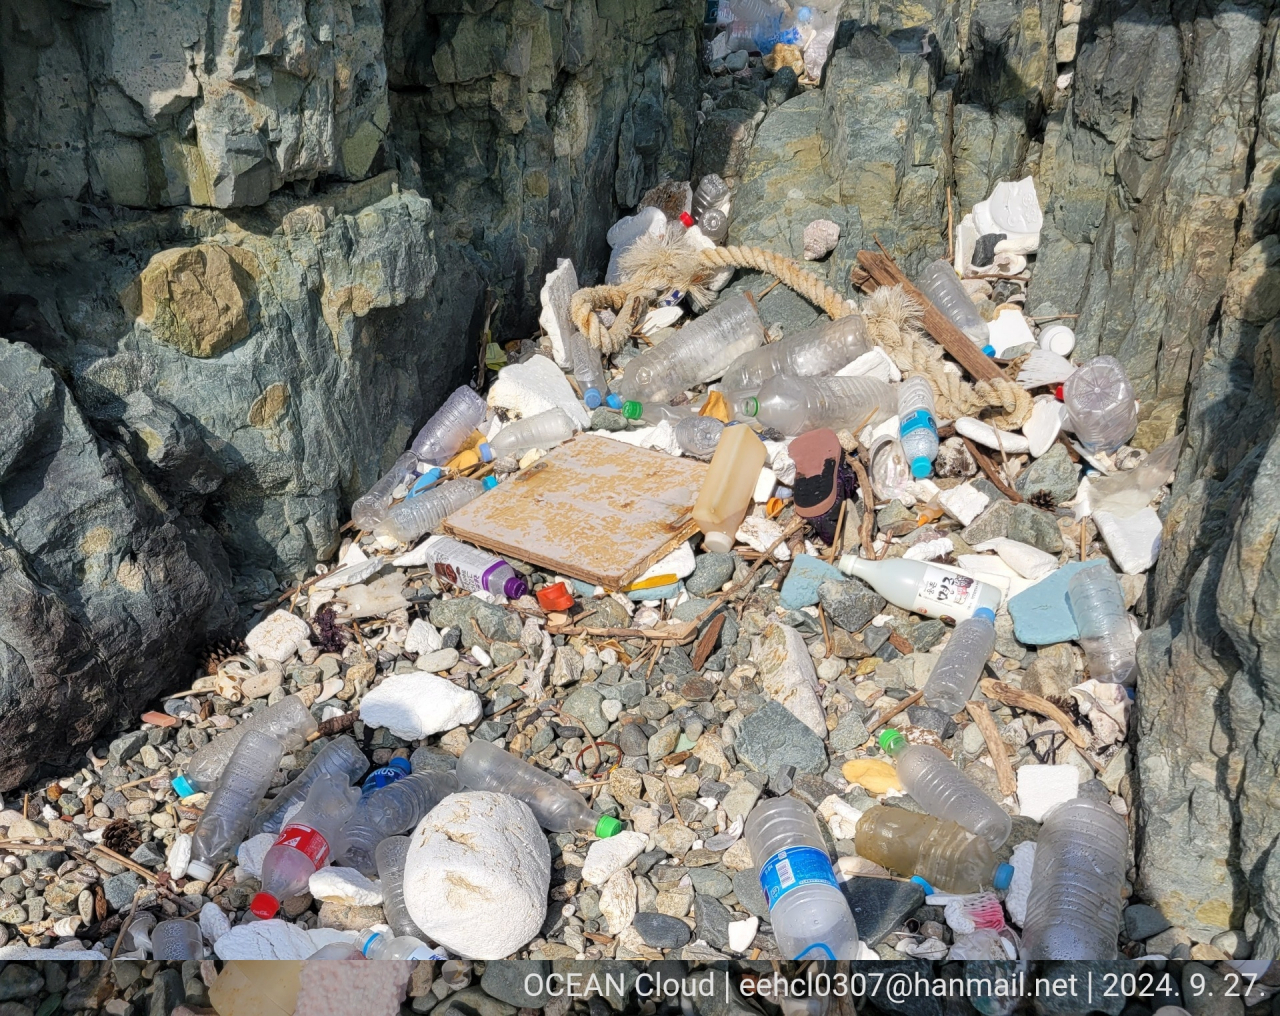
x=307, y=840
x=791, y=868
x=943, y=593
x=920, y=418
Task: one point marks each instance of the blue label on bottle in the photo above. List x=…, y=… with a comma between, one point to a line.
x=791, y=868
x=920, y=418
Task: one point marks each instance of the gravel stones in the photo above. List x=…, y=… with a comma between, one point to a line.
x=713, y=921
x=126, y=746
x=710, y=573
x=772, y=737
x=662, y=931
x=1032, y=526
x=119, y=889
x=1053, y=471
x=584, y=705
x=746, y=887
x=850, y=733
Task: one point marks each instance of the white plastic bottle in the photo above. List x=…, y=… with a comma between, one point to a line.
x=225, y=821
x=588, y=371
x=942, y=790
x=1099, y=404
x=423, y=514
x=472, y=569
x=394, y=809
x=1075, y=907
x=556, y=805
x=442, y=436
x=289, y=721
x=810, y=916
x=390, y=855
x=371, y=507
x=795, y=405
x=933, y=590
x=177, y=940
x=340, y=757
x=941, y=285
x=959, y=667
x=378, y=945
x=1097, y=604
x=699, y=435
x=918, y=424
x=822, y=349
x=542, y=430
x=699, y=352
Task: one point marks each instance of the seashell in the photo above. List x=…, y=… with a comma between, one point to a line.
x=330, y=689
x=1043, y=425
x=984, y=434
x=820, y=238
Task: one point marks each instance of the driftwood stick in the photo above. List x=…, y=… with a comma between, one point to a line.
x=995, y=747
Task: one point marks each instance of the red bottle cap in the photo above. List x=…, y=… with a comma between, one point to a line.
x=687, y=219
x=555, y=597
x=1057, y=393
x=264, y=905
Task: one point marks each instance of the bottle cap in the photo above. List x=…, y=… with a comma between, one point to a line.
x=988, y=350
x=1003, y=876
x=182, y=787
x=555, y=597
x=515, y=587
x=921, y=467
x=804, y=14
x=986, y=613
x=1057, y=393
x=608, y=826
x=633, y=410
x=489, y=482
x=264, y=905
x=751, y=406
x=686, y=219
x=891, y=741
x=591, y=398
x=200, y=870
x=928, y=889
x=613, y=401
x=486, y=453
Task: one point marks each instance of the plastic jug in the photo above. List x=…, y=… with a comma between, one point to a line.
x=726, y=493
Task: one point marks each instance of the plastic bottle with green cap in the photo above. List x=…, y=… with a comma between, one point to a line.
x=556, y=805
x=956, y=673
x=946, y=856
x=918, y=425
x=655, y=412
x=940, y=788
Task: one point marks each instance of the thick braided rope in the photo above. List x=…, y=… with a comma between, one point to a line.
x=791, y=273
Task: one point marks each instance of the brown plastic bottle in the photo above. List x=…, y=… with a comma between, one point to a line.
x=940, y=852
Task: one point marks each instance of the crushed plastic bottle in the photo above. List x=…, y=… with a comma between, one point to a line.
x=795, y=405
x=227, y=816
x=469, y=568
x=918, y=424
x=177, y=940
x=306, y=843
x=698, y=436
x=556, y=805
x=394, y=809
x=959, y=667
x=389, y=855
x=945, y=855
x=542, y=430
x=589, y=373
x=933, y=590
x=447, y=430
x=1099, y=405
x=810, y=916
x=941, y=789
x=822, y=349
x=1097, y=604
x=371, y=508
x=726, y=492
x=654, y=413
x=289, y=721
x=408, y=520
x=940, y=284
x=340, y=757
x=699, y=352
x=378, y=945
x=1075, y=908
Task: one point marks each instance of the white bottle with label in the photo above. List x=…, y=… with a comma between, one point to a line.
x=933, y=590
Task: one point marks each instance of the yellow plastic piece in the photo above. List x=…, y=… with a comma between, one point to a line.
x=873, y=775
x=651, y=583
x=257, y=988
x=716, y=406
x=464, y=459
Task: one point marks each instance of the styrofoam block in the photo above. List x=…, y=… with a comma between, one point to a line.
x=659, y=318
x=760, y=534
x=1133, y=541
x=278, y=636
x=1015, y=900
x=250, y=853
x=417, y=705
x=873, y=363
x=423, y=637
x=345, y=885
x=680, y=562
x=930, y=550
x=1009, y=329
x=1041, y=787
x=265, y=940
x=1028, y=561
x=963, y=503
x=534, y=387
x=780, y=461
x=605, y=857
x=557, y=291
x=765, y=483
x=213, y=922
x=989, y=437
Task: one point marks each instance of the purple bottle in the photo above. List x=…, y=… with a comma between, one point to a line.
x=472, y=569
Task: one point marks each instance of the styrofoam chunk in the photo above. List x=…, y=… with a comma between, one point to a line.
x=765, y=483
x=659, y=318
x=760, y=534
x=278, y=636
x=1028, y=561
x=1133, y=541
x=345, y=885
x=250, y=853
x=417, y=705
x=265, y=940
x=422, y=637
x=989, y=437
x=963, y=503
x=680, y=562
x=1041, y=787
x=213, y=922
x=873, y=363
x=557, y=291
x=1009, y=329
x=535, y=386
x=1015, y=207
x=1015, y=900
x=930, y=550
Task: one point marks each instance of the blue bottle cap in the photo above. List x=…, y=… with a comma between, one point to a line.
x=591, y=398
x=928, y=889
x=613, y=400
x=386, y=775
x=424, y=481
x=489, y=482
x=486, y=453
x=921, y=467
x=1003, y=876
x=182, y=787
x=804, y=14
x=988, y=350
x=986, y=613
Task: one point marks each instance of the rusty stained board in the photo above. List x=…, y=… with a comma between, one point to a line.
x=594, y=509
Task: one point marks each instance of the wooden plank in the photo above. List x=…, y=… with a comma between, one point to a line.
x=594, y=509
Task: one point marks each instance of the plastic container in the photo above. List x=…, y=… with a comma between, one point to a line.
x=1075, y=908
x=655, y=412
x=588, y=371
x=340, y=757
x=1097, y=603
x=254, y=988
x=711, y=192
x=794, y=405
x=918, y=425
x=943, y=854
x=714, y=225
x=395, y=770
x=472, y=569
x=822, y=349
x=699, y=435
x=371, y=508
x=177, y=940
x=305, y=844
x=542, y=430
x=726, y=492
x=393, y=810
x=378, y=945
x=1100, y=409
x=450, y=426
x=556, y=805
x=810, y=916
x=226, y=818
x=423, y=514
x=940, y=788
x=390, y=855
x=941, y=285
x=289, y=721
x=960, y=664
x=758, y=26
x=933, y=590
x=699, y=352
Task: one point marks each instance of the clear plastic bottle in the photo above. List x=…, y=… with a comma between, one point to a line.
x=933, y=590
x=289, y=721
x=795, y=405
x=918, y=424
x=699, y=352
x=371, y=508
x=556, y=805
x=226, y=818
x=340, y=757
x=711, y=192
x=699, y=435
x=1075, y=907
x=714, y=225
x=959, y=667
x=940, y=284
x=470, y=568
x=542, y=430
x=1099, y=404
x=726, y=492
x=810, y=916
x=177, y=940
x=408, y=520
x=654, y=413
x=395, y=770
x=588, y=371
x=442, y=436
x=1097, y=604
x=390, y=855
x=822, y=349
x=305, y=844
x=943, y=854
x=393, y=810
x=378, y=945
x=940, y=788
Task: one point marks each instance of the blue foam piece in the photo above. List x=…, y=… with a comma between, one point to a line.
x=655, y=592
x=586, y=589
x=800, y=588
x=1042, y=614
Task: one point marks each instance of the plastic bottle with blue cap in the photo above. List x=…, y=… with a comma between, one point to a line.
x=960, y=664
x=408, y=520
x=942, y=287
x=936, y=850
x=542, y=430
x=447, y=430
x=588, y=371
x=918, y=424
x=933, y=590
x=396, y=769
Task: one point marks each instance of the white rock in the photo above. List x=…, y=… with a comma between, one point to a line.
x=1041, y=787
x=1015, y=900
x=680, y=562
x=535, y=386
x=1043, y=425
x=423, y=637
x=213, y=923
x=1009, y=329
x=556, y=292
x=989, y=437
x=250, y=853
x=618, y=902
x=743, y=933
x=277, y=637
x=414, y=706
x=345, y=885
x=477, y=874
x=612, y=709
x=964, y=503
x=480, y=656
x=786, y=668
x=440, y=659
x=179, y=855
x=765, y=484
x=265, y=940
x=330, y=688
x=873, y=363
x=605, y=857
x=1134, y=541
x=1028, y=561
x=841, y=816
x=760, y=533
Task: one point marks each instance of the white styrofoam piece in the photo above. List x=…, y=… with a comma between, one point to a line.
x=535, y=386
x=213, y=922
x=659, y=318
x=265, y=940
x=788, y=675
x=179, y=855
x=963, y=503
x=989, y=437
x=351, y=574
x=250, y=853
x=556, y=292
x=990, y=570
x=1028, y=561
x=966, y=237
x=417, y=705
x=760, y=534
x=1014, y=206
x=923, y=489
x=780, y=462
x=680, y=562
x=875, y=363
x=765, y=484
x=1134, y=541
x=278, y=636
x=1043, y=425
x=1041, y=787
x=344, y=885
x=930, y=550
x=623, y=233
x=661, y=438
x=1015, y=900
x=423, y=637
x=1009, y=329
x=605, y=857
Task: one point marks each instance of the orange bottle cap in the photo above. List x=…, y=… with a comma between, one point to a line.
x=555, y=597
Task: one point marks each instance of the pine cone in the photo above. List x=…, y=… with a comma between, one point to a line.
x=215, y=654
x=1043, y=499
x=122, y=837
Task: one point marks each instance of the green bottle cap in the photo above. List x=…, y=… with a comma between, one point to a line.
x=892, y=741
x=633, y=410
x=608, y=826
